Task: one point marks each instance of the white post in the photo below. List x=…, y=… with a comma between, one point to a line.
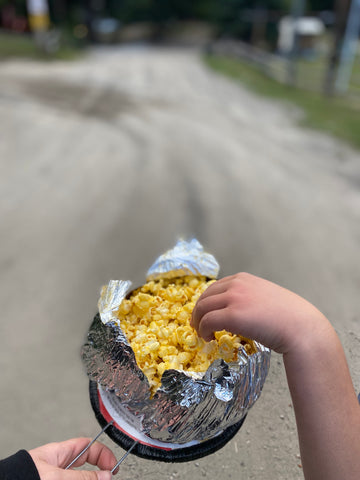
x=39, y=21
x=297, y=11
x=38, y=13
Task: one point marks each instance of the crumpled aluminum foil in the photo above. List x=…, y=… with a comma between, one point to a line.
x=186, y=258
x=187, y=406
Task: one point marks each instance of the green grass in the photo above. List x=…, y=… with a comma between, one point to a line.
x=339, y=116
x=23, y=46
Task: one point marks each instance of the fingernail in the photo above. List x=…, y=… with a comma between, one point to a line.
x=104, y=475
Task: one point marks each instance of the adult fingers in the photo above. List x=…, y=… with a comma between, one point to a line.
x=98, y=454
x=84, y=475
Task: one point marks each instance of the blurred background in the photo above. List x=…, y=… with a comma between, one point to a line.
x=125, y=125
x=318, y=38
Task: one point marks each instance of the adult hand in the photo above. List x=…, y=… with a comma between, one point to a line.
x=52, y=459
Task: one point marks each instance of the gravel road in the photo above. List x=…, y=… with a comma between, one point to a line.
x=105, y=163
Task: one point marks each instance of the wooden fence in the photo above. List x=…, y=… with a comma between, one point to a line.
x=305, y=73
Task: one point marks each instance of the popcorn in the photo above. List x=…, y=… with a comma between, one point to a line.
x=156, y=322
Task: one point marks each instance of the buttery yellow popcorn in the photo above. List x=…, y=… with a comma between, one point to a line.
x=156, y=321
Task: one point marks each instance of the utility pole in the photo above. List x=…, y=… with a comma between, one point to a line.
x=341, y=14
x=349, y=48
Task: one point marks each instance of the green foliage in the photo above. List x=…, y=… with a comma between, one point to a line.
x=162, y=10
x=338, y=116
x=230, y=17
x=131, y=10
x=19, y=5
x=320, y=5
x=23, y=46
x=236, y=17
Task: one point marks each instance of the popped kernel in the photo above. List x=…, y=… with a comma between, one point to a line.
x=156, y=321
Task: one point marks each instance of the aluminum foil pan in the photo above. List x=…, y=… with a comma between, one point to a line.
x=187, y=406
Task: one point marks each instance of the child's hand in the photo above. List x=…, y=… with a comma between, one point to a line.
x=257, y=309
x=318, y=376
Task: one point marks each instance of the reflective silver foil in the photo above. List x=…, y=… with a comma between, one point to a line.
x=187, y=406
x=186, y=258
x=111, y=297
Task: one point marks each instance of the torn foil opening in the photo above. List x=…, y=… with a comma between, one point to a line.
x=187, y=406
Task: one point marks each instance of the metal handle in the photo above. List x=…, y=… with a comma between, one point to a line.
x=93, y=441
x=124, y=456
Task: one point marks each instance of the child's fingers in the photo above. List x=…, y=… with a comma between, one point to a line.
x=204, y=305
x=220, y=286
x=213, y=321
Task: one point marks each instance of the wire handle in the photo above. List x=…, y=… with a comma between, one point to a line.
x=93, y=441
x=124, y=456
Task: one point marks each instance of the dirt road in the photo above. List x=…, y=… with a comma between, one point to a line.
x=105, y=162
